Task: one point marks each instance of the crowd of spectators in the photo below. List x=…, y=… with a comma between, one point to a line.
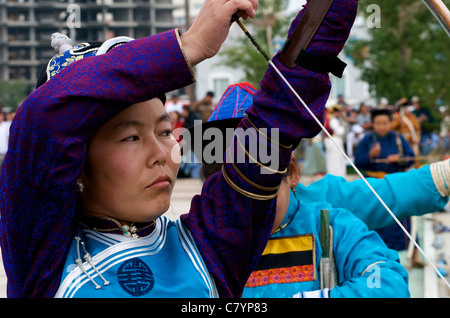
x=6, y=116
x=348, y=124
x=183, y=115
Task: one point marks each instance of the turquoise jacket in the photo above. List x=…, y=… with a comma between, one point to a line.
x=365, y=266
x=407, y=194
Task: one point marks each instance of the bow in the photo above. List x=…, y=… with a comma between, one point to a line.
x=443, y=15
x=440, y=12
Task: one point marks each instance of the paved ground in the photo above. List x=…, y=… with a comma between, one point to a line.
x=423, y=282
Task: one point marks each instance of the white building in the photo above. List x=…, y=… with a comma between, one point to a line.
x=26, y=27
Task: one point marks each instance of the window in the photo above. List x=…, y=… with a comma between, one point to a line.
x=337, y=86
x=220, y=85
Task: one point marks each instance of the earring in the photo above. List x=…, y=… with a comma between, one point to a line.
x=80, y=186
x=293, y=187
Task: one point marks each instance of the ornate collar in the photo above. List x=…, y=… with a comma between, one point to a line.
x=111, y=225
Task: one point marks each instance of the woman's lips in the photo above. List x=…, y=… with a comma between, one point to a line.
x=161, y=182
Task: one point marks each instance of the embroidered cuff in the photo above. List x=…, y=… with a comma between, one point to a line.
x=178, y=33
x=440, y=172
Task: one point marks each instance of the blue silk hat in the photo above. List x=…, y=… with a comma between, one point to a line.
x=66, y=54
x=233, y=103
x=228, y=112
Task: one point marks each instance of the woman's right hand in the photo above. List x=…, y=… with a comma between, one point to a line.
x=210, y=29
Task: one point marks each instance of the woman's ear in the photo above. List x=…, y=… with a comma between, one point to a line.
x=293, y=174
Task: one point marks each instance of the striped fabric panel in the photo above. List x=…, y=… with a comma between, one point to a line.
x=285, y=260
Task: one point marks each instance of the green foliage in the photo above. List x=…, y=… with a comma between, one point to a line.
x=407, y=56
x=244, y=55
x=248, y=60
x=12, y=93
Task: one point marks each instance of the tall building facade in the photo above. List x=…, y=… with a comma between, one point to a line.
x=26, y=27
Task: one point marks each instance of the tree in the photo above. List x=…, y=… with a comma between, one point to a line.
x=12, y=93
x=407, y=53
x=268, y=24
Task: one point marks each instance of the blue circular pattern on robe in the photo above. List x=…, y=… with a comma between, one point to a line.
x=135, y=277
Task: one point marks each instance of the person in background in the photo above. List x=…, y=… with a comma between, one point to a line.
x=291, y=264
x=380, y=153
x=174, y=104
x=363, y=117
x=189, y=117
x=176, y=122
x=205, y=106
x=428, y=125
x=383, y=151
x=416, y=192
x=314, y=159
x=189, y=166
x=5, y=125
x=406, y=123
x=353, y=139
x=344, y=105
x=335, y=161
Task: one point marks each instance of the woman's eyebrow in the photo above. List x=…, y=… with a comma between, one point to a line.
x=127, y=123
x=163, y=117
x=132, y=122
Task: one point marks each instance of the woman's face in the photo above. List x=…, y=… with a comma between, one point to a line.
x=132, y=163
x=289, y=181
x=282, y=203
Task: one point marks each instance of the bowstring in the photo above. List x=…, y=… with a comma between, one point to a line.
x=261, y=51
